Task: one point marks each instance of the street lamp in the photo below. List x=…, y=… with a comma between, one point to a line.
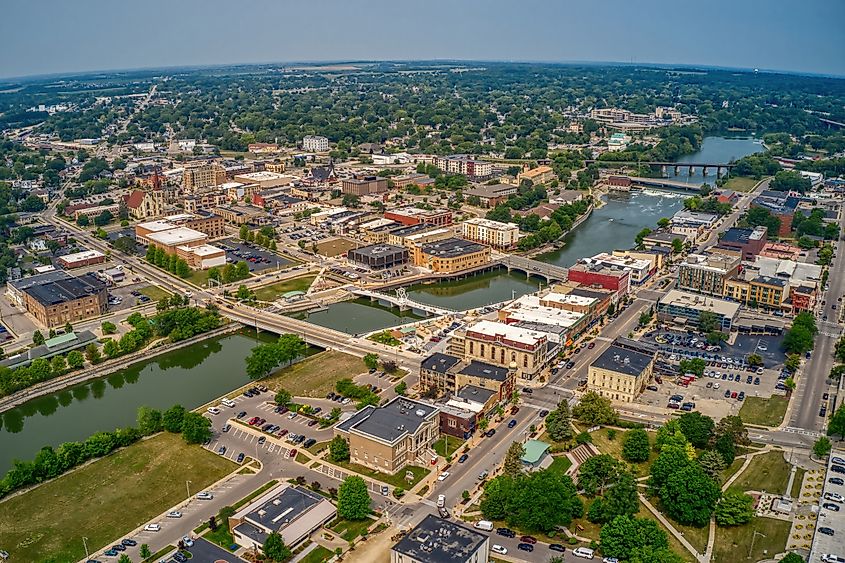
x=85, y=544
x=753, y=538
x=187, y=488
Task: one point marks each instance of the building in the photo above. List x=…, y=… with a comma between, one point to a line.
x=620, y=374
x=493, y=233
x=200, y=175
x=379, y=256
x=560, y=323
x=241, y=214
x=451, y=255
x=439, y=540
x=706, y=273
x=95, y=211
x=202, y=256
x=61, y=344
x=458, y=421
x=778, y=285
x=376, y=231
x=315, y=143
x=682, y=308
x=437, y=372
x=658, y=239
x=758, y=291
x=503, y=345
x=618, y=142
x=388, y=438
x=365, y=185
x=65, y=300
x=80, y=259
x=209, y=224
x=640, y=268
x=749, y=242
x=691, y=224
x=414, y=235
x=781, y=251
x=539, y=175
x=598, y=275
x=276, y=166
x=781, y=205
x=536, y=452
x=419, y=180
x=490, y=196
x=264, y=179
x=170, y=239
x=414, y=216
x=465, y=165
x=293, y=512
x=143, y=204
x=204, y=201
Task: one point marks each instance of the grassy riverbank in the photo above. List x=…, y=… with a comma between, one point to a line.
x=105, y=499
x=317, y=375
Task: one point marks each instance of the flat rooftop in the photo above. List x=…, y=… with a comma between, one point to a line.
x=67, y=289
x=440, y=363
x=177, y=236
x=490, y=224
x=687, y=300
x=397, y=418
x=452, y=248
x=485, y=371
x=379, y=250
x=623, y=360
x=508, y=332
x=437, y=540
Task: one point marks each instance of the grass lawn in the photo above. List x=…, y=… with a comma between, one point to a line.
x=154, y=292
x=728, y=472
x=767, y=472
x=766, y=412
x=795, y=491
x=674, y=544
x=733, y=544
x=351, y=529
x=318, y=555
x=198, y=277
x=135, y=483
x=560, y=464
x=614, y=448
x=273, y=291
x=696, y=536
x=221, y=536
x=740, y=184
x=335, y=247
x=318, y=447
x=317, y=375
x=397, y=479
x=447, y=445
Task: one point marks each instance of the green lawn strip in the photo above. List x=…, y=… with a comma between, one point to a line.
x=138, y=482
x=795, y=491
x=262, y=489
x=560, y=464
x=733, y=544
x=317, y=375
x=766, y=412
x=447, y=445
x=674, y=544
x=397, y=479
x=351, y=529
x=614, y=448
x=272, y=292
x=155, y=293
x=318, y=447
x=221, y=536
x=302, y=458
x=767, y=472
x=696, y=536
x=158, y=555
x=317, y=555
x=740, y=184
x=729, y=471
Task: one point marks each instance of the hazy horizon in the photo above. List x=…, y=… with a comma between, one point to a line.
x=37, y=39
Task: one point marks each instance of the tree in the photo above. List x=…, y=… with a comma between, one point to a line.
x=797, y=340
x=620, y=499
x=275, y=548
x=690, y=496
x=353, y=499
x=697, y=428
x=663, y=222
x=543, y=501
x=196, y=429
x=672, y=459
x=108, y=327
x=792, y=557
x=649, y=555
x=822, y=446
x=725, y=446
x=712, y=463
x=110, y=348
x=37, y=338
x=836, y=426
x=512, y=466
x=635, y=446
x=149, y=421
x=733, y=427
x=734, y=508
x=708, y=322
x=693, y=365
x=92, y=353
x=641, y=236
x=755, y=360
x=145, y=551
x=173, y=418
x=371, y=361
x=498, y=495
x=677, y=246
x=558, y=424
x=243, y=232
x=338, y=449
x=283, y=397
x=598, y=473
x=623, y=534
x=75, y=359
x=263, y=359
x=401, y=388
x=123, y=558
x=58, y=365
x=594, y=409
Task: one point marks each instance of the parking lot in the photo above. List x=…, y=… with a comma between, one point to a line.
x=831, y=517
x=257, y=258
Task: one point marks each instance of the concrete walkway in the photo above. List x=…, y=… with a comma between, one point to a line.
x=678, y=535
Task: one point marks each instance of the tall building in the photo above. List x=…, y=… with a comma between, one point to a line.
x=451, y=255
x=365, y=185
x=496, y=234
x=684, y=309
x=465, y=165
x=315, y=143
x=65, y=299
x=201, y=175
x=706, y=273
x=503, y=345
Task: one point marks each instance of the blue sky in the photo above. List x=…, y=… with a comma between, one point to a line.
x=48, y=36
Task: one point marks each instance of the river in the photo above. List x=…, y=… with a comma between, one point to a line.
x=191, y=376
x=717, y=150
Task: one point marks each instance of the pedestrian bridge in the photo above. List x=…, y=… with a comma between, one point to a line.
x=401, y=301
x=535, y=268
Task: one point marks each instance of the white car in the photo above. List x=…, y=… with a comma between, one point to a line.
x=441, y=501
x=443, y=476
x=583, y=552
x=609, y=560
x=501, y=550
x=214, y=410
x=716, y=385
x=174, y=514
x=205, y=495
x=835, y=497
x=228, y=403
x=187, y=541
x=152, y=528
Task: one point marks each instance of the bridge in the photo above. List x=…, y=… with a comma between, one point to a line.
x=663, y=183
x=665, y=166
x=402, y=301
x=533, y=267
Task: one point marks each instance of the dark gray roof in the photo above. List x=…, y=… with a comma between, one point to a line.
x=355, y=418
x=737, y=234
x=487, y=371
x=64, y=290
x=770, y=281
x=248, y=530
x=475, y=393
x=437, y=540
x=623, y=360
x=377, y=250
x=412, y=230
x=452, y=247
x=39, y=279
x=397, y=418
x=63, y=346
x=284, y=508
x=441, y=363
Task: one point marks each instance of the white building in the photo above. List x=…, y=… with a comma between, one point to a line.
x=640, y=269
x=493, y=233
x=315, y=143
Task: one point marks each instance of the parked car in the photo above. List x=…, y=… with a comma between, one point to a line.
x=205, y=495
x=512, y=423
x=152, y=528
x=241, y=457
x=525, y=547
x=174, y=514
x=496, y=548
x=507, y=532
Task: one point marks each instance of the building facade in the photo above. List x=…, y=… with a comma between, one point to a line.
x=315, y=143
x=620, y=374
x=493, y=233
x=451, y=255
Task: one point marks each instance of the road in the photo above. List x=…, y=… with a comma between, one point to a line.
x=731, y=219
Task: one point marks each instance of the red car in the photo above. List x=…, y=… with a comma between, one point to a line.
x=733, y=395
x=252, y=421
x=282, y=432
x=591, y=345
x=292, y=453
x=528, y=539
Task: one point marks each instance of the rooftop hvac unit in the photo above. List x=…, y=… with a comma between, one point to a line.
x=420, y=412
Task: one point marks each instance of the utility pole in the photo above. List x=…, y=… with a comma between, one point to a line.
x=188, y=488
x=753, y=539
x=85, y=544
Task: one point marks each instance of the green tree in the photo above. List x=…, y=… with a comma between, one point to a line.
x=598, y=473
x=371, y=361
x=708, y=322
x=92, y=353
x=619, y=499
x=822, y=447
x=693, y=365
x=636, y=446
x=150, y=420
x=623, y=534
x=697, y=428
x=123, y=558
x=650, y=555
x=58, y=365
x=37, y=338
x=558, y=424
x=792, y=557
x=275, y=549
x=111, y=348
x=75, y=359
x=262, y=360
x=353, y=499
x=498, y=495
x=641, y=236
x=690, y=496
x=734, y=508
x=543, y=501
x=196, y=429
x=594, y=409
x=108, y=327
x=401, y=388
x=712, y=463
x=672, y=459
x=173, y=418
x=755, y=360
x=243, y=232
x=339, y=449
x=283, y=397
x=512, y=466
x=836, y=426
x=145, y=551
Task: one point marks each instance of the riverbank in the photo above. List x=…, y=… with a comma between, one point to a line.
x=559, y=243
x=104, y=369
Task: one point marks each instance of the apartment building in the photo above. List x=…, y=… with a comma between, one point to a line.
x=451, y=255
x=490, y=196
x=388, y=438
x=539, y=175
x=414, y=216
x=449, y=374
x=315, y=143
x=200, y=175
x=707, y=273
x=366, y=185
x=465, y=165
x=494, y=233
x=620, y=374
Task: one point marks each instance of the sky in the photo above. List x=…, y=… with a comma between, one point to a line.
x=62, y=36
